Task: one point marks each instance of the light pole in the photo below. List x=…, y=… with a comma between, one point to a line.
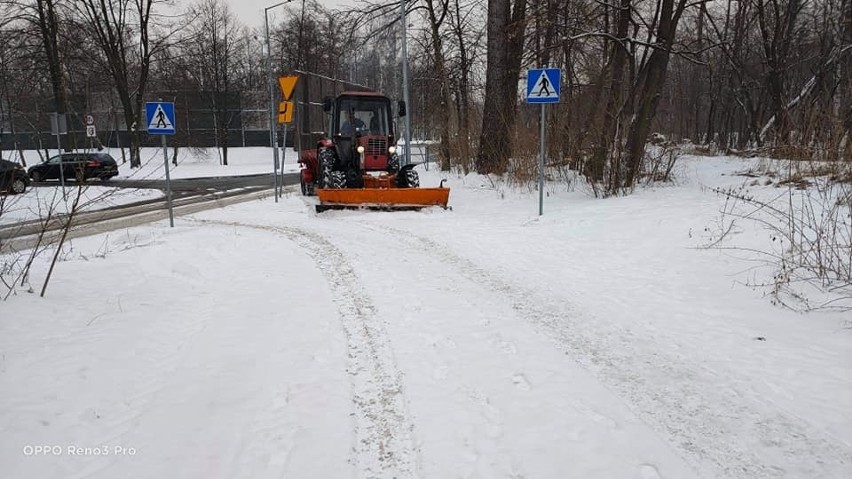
x=273, y=122
x=405, y=87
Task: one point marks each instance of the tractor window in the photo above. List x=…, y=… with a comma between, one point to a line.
x=369, y=117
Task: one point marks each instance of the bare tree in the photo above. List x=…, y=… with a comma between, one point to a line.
x=652, y=76
x=123, y=32
x=212, y=50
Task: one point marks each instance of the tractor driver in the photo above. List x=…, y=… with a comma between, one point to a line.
x=346, y=129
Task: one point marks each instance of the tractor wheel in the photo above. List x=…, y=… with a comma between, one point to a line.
x=393, y=163
x=325, y=157
x=408, y=178
x=337, y=180
x=354, y=179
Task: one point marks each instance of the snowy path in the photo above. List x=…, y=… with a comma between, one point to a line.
x=532, y=411
x=264, y=341
x=382, y=433
x=721, y=429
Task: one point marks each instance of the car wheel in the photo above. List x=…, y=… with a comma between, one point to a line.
x=18, y=186
x=36, y=176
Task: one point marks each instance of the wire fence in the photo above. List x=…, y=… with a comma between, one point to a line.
x=244, y=115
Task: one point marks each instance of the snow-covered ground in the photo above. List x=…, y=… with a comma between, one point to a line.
x=192, y=163
x=264, y=340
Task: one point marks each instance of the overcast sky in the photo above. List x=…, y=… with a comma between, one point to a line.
x=250, y=12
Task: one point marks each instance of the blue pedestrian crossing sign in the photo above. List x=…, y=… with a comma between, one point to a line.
x=543, y=85
x=160, y=117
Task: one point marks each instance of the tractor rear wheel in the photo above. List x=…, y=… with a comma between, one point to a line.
x=325, y=157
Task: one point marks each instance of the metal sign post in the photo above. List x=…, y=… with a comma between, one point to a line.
x=285, y=116
x=273, y=127
x=160, y=118
x=542, y=87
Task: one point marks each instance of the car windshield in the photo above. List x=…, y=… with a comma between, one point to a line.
x=369, y=117
x=54, y=160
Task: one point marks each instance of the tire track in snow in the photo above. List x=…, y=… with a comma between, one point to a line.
x=716, y=427
x=383, y=433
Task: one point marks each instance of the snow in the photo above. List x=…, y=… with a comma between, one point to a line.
x=264, y=340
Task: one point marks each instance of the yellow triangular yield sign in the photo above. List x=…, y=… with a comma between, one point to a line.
x=287, y=85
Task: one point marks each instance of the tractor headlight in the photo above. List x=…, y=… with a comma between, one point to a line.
x=391, y=149
x=360, y=149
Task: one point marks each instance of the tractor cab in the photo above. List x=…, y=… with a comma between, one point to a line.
x=361, y=129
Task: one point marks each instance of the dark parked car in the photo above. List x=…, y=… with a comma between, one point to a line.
x=78, y=166
x=13, y=177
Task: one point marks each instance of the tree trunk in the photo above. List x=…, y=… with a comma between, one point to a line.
x=505, y=30
x=846, y=76
x=49, y=30
x=446, y=102
x=608, y=135
x=651, y=80
x=463, y=107
x=494, y=139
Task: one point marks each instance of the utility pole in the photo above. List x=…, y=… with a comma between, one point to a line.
x=405, y=86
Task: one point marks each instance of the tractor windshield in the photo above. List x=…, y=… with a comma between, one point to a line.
x=363, y=117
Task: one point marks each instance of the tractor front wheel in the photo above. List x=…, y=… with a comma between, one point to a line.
x=354, y=179
x=408, y=178
x=337, y=180
x=393, y=163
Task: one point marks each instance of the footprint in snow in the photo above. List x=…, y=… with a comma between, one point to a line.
x=649, y=471
x=521, y=382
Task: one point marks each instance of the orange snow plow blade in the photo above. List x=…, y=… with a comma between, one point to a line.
x=382, y=198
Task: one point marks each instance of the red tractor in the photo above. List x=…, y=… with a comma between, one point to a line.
x=355, y=164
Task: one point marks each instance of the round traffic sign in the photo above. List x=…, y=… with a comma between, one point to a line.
x=90, y=120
